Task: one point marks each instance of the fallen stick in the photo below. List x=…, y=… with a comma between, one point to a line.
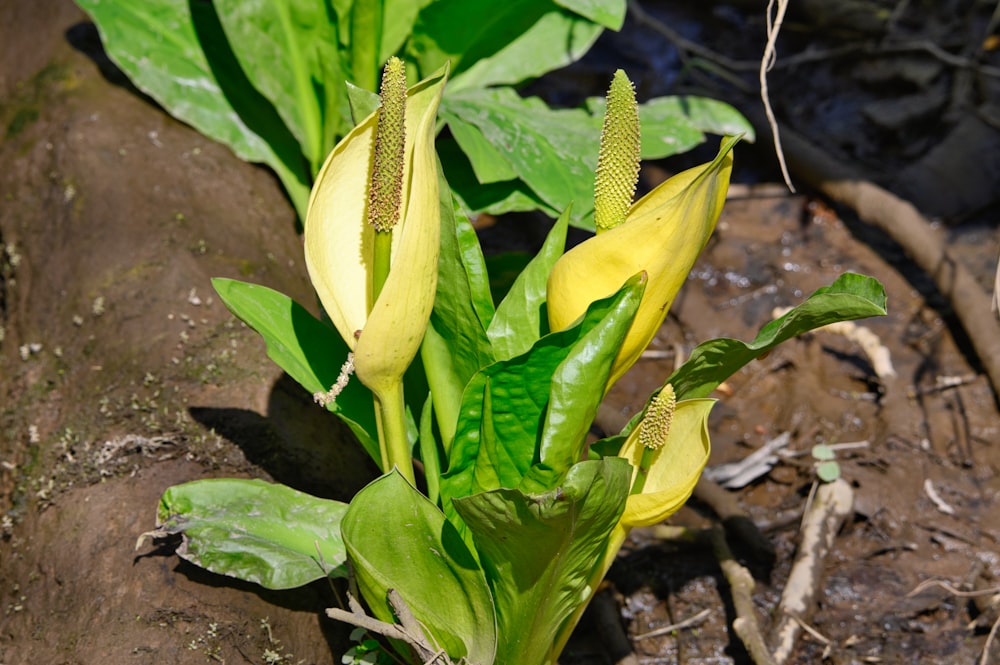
x=830, y=508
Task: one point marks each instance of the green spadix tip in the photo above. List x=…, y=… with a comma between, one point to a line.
x=386, y=192
x=618, y=160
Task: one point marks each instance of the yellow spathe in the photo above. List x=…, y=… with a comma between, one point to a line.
x=663, y=234
x=673, y=468
x=384, y=335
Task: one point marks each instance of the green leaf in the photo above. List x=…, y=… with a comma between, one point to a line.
x=850, y=297
x=184, y=61
x=537, y=406
x=823, y=452
x=828, y=471
x=609, y=13
x=455, y=344
x=539, y=551
x=577, y=390
x=363, y=102
x=397, y=539
x=290, y=51
x=497, y=42
x=310, y=351
x=556, y=40
x=495, y=198
x=520, y=318
x=553, y=151
x=255, y=531
x=488, y=162
x=672, y=125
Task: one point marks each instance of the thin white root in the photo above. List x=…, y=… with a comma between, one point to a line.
x=831, y=507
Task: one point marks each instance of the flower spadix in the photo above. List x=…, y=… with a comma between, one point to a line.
x=663, y=233
x=668, y=450
x=383, y=324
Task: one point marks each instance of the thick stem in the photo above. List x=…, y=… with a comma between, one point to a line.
x=380, y=263
x=394, y=445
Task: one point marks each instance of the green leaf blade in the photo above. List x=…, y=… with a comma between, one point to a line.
x=184, y=61
x=255, y=531
x=850, y=297
x=310, y=351
x=539, y=551
x=397, y=539
x=520, y=318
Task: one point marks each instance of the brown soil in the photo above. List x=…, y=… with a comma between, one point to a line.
x=121, y=374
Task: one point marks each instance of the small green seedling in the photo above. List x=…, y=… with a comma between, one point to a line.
x=827, y=468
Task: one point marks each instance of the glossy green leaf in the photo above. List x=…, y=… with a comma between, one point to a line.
x=520, y=318
x=537, y=406
x=308, y=88
x=539, y=551
x=455, y=344
x=672, y=125
x=553, y=152
x=255, y=531
x=177, y=52
x=495, y=198
x=397, y=539
x=501, y=41
x=609, y=13
x=310, y=351
x=850, y=297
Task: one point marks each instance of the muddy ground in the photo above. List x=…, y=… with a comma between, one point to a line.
x=121, y=374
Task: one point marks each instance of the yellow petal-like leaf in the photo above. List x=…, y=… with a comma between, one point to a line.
x=399, y=317
x=384, y=335
x=675, y=466
x=663, y=234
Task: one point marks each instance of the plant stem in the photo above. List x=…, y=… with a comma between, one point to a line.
x=390, y=411
x=380, y=262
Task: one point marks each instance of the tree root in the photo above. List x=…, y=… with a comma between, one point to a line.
x=901, y=221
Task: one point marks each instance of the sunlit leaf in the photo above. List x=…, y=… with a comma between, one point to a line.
x=255, y=531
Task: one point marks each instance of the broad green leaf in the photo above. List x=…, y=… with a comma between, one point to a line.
x=520, y=318
x=310, y=351
x=255, y=531
x=672, y=125
x=539, y=552
x=397, y=539
x=184, y=61
x=488, y=162
x=495, y=198
x=504, y=41
x=556, y=40
x=397, y=25
x=537, y=406
x=577, y=390
x=455, y=344
x=290, y=51
x=553, y=151
x=850, y=297
x=609, y=13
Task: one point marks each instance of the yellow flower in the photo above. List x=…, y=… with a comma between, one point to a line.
x=663, y=234
x=671, y=465
x=384, y=333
